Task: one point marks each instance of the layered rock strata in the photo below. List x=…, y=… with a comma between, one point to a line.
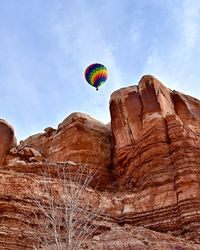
x=21, y=191
x=79, y=138
x=138, y=238
x=157, y=148
x=21, y=184
x=147, y=165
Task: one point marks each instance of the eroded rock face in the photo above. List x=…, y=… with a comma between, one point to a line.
x=151, y=180
x=79, y=138
x=7, y=139
x=138, y=238
x=21, y=183
x=151, y=124
x=157, y=147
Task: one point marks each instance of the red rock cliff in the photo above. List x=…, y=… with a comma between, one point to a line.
x=157, y=147
x=151, y=180
x=79, y=138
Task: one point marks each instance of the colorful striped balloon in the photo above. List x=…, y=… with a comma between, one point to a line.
x=96, y=74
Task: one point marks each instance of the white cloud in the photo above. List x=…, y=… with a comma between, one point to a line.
x=191, y=21
x=81, y=36
x=176, y=64
x=43, y=62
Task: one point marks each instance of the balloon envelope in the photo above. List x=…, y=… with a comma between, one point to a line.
x=96, y=74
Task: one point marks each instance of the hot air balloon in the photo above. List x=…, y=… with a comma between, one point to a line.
x=96, y=74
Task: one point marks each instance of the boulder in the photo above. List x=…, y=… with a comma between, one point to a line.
x=7, y=139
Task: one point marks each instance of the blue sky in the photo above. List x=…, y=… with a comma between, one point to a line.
x=45, y=45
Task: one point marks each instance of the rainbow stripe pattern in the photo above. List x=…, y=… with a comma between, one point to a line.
x=96, y=74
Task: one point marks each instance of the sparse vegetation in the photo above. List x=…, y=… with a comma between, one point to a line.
x=65, y=217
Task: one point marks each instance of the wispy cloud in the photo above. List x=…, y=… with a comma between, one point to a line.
x=45, y=48
x=191, y=21
x=83, y=39
x=176, y=62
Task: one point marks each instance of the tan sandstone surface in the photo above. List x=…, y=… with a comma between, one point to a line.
x=147, y=166
x=7, y=139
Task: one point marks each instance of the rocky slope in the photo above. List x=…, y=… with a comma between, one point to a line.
x=147, y=167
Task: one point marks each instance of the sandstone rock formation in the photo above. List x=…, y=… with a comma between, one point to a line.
x=79, y=138
x=20, y=183
x=147, y=165
x=7, y=139
x=138, y=238
x=157, y=145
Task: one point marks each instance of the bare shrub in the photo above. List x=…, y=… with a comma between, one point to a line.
x=65, y=216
